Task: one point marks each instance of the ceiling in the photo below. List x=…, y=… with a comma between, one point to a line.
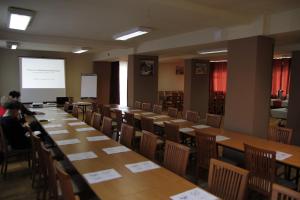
x=64, y=25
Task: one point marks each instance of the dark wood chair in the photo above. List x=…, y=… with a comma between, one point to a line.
x=129, y=118
x=138, y=105
x=261, y=164
x=127, y=135
x=157, y=109
x=106, y=111
x=97, y=121
x=280, y=134
x=146, y=107
x=68, y=107
x=176, y=157
x=172, y=132
x=227, y=181
x=107, y=127
x=148, y=145
x=283, y=193
x=192, y=116
x=88, y=117
x=118, y=120
x=147, y=124
x=172, y=112
x=213, y=120
x=75, y=111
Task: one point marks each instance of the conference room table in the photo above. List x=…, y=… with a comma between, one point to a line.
x=158, y=183
x=83, y=105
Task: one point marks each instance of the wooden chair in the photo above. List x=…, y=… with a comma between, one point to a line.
x=68, y=107
x=65, y=184
x=176, y=157
x=88, y=117
x=97, y=121
x=280, y=134
x=147, y=124
x=283, y=193
x=138, y=105
x=127, y=135
x=213, y=120
x=146, y=107
x=172, y=132
x=129, y=118
x=34, y=157
x=148, y=145
x=118, y=120
x=261, y=164
x=106, y=111
x=75, y=111
x=157, y=109
x=107, y=127
x=172, y=112
x=192, y=116
x=227, y=181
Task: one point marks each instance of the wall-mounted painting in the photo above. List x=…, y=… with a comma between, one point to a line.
x=201, y=68
x=146, y=67
x=179, y=70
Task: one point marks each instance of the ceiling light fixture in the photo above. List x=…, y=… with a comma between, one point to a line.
x=19, y=18
x=213, y=51
x=218, y=61
x=80, y=50
x=12, y=45
x=135, y=32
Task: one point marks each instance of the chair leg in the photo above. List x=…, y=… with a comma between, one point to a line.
x=5, y=169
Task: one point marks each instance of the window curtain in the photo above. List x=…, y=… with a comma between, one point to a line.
x=114, y=84
x=280, y=77
x=219, y=77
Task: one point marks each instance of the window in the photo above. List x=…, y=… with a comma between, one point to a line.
x=123, y=82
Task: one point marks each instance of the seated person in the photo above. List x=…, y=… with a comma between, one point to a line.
x=16, y=133
x=4, y=100
x=15, y=95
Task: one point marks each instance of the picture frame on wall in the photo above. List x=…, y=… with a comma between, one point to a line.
x=146, y=67
x=201, y=68
x=179, y=70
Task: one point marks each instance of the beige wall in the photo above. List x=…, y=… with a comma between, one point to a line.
x=168, y=80
x=75, y=65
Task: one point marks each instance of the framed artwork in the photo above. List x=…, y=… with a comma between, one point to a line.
x=201, y=68
x=146, y=67
x=179, y=70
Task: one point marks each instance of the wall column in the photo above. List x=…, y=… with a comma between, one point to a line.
x=247, y=104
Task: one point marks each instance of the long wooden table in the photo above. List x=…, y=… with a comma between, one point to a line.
x=154, y=184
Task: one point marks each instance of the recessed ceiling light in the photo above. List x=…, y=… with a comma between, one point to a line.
x=80, y=50
x=12, y=45
x=135, y=32
x=213, y=51
x=19, y=18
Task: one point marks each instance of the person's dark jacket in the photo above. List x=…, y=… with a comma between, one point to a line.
x=24, y=110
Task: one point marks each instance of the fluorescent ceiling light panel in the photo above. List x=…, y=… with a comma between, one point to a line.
x=218, y=61
x=19, y=18
x=132, y=33
x=12, y=45
x=81, y=50
x=213, y=51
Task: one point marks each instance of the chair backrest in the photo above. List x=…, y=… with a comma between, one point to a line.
x=206, y=149
x=65, y=184
x=119, y=119
x=75, y=111
x=129, y=118
x=96, y=121
x=148, y=145
x=227, y=181
x=192, y=116
x=88, y=117
x=106, y=111
x=283, y=193
x=172, y=112
x=213, y=120
x=146, y=106
x=3, y=143
x=176, y=157
x=127, y=135
x=107, y=127
x=280, y=134
x=261, y=164
x=147, y=124
x=172, y=132
x=138, y=104
x=66, y=106
x=157, y=109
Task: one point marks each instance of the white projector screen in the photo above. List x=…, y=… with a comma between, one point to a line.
x=89, y=86
x=42, y=79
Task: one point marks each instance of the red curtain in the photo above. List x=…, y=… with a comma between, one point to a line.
x=219, y=77
x=280, y=76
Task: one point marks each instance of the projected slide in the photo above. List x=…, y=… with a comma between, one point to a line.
x=43, y=73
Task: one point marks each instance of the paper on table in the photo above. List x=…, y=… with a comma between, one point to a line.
x=70, y=119
x=85, y=129
x=135, y=110
x=142, y=166
x=282, y=155
x=194, y=194
x=161, y=116
x=62, y=113
x=186, y=130
x=58, y=132
x=52, y=125
x=200, y=126
x=147, y=113
x=220, y=138
x=82, y=156
x=97, y=138
x=69, y=141
x=178, y=120
x=113, y=150
x=76, y=123
x=100, y=176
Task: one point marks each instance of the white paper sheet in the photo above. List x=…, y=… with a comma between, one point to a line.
x=220, y=138
x=58, y=132
x=113, y=150
x=76, y=123
x=200, y=126
x=97, y=138
x=186, y=130
x=36, y=133
x=70, y=119
x=68, y=141
x=161, y=122
x=135, y=110
x=82, y=156
x=194, y=194
x=161, y=116
x=282, y=155
x=101, y=176
x=147, y=113
x=178, y=120
x=52, y=125
x=142, y=166
x=85, y=129
x=62, y=113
